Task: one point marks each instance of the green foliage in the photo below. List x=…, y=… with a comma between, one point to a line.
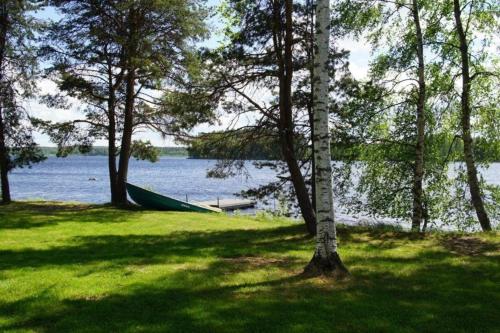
x=481, y=25
x=379, y=116
x=185, y=109
x=243, y=75
x=238, y=145
x=144, y=150
x=18, y=73
x=93, y=46
x=92, y=268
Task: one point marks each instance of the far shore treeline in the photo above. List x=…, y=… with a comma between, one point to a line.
x=218, y=145
x=211, y=146
x=103, y=151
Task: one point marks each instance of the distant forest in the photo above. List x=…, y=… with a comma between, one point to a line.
x=217, y=145
x=204, y=148
x=103, y=151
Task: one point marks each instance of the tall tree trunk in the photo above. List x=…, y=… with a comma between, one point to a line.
x=326, y=260
x=4, y=170
x=286, y=126
x=313, y=164
x=126, y=144
x=112, y=145
x=418, y=175
x=310, y=103
x=475, y=190
x=4, y=161
x=300, y=187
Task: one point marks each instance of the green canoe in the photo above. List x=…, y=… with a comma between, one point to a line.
x=154, y=200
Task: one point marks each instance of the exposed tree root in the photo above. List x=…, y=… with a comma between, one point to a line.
x=331, y=266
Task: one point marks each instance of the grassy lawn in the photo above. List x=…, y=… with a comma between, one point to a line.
x=77, y=268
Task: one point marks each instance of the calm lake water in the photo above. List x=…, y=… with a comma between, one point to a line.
x=67, y=179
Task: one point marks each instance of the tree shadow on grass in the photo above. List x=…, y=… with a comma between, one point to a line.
x=28, y=215
x=377, y=239
x=179, y=246
x=440, y=298
x=428, y=291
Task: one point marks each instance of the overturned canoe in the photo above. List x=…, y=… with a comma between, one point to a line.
x=152, y=200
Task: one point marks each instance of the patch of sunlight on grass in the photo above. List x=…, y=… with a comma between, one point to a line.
x=90, y=268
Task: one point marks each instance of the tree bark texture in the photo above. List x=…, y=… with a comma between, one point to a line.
x=326, y=260
x=418, y=175
x=126, y=144
x=4, y=161
x=130, y=52
x=472, y=174
x=112, y=143
x=286, y=126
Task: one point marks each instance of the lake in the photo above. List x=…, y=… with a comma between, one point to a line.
x=67, y=179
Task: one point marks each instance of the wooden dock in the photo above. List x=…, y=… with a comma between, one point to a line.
x=230, y=204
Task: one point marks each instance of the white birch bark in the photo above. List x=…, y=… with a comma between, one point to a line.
x=325, y=222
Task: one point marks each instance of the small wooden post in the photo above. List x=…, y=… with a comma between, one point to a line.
x=218, y=205
x=187, y=198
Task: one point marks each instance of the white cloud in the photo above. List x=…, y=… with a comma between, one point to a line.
x=360, y=53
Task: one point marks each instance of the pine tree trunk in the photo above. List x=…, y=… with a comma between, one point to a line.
x=126, y=144
x=4, y=160
x=286, y=126
x=112, y=147
x=418, y=207
x=301, y=191
x=472, y=177
x=4, y=170
x=326, y=260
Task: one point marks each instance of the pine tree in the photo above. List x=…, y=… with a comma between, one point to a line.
x=118, y=58
x=18, y=72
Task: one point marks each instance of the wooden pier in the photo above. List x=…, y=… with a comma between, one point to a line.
x=229, y=204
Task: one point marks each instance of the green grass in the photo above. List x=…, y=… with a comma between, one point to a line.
x=77, y=268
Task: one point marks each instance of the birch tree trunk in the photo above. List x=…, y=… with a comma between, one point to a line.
x=326, y=260
x=418, y=172
x=472, y=178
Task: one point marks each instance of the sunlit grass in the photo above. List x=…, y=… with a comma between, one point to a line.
x=78, y=268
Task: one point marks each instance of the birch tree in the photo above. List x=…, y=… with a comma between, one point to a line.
x=326, y=259
x=467, y=45
x=418, y=170
x=476, y=192
x=397, y=115
x=263, y=69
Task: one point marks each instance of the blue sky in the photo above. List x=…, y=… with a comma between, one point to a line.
x=360, y=54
